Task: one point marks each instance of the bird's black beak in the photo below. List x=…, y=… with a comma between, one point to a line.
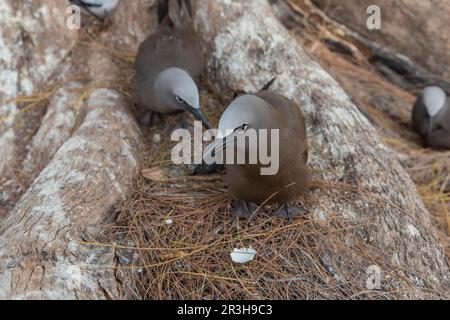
x=430, y=125
x=215, y=147
x=219, y=147
x=198, y=114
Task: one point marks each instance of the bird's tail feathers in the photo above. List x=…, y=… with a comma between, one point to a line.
x=177, y=11
x=237, y=93
x=268, y=84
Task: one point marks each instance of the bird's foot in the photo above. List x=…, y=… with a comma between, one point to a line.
x=243, y=209
x=206, y=169
x=106, y=23
x=183, y=124
x=156, y=119
x=150, y=118
x=145, y=119
x=290, y=211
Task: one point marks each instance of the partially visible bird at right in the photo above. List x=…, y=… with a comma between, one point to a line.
x=431, y=117
x=167, y=63
x=98, y=8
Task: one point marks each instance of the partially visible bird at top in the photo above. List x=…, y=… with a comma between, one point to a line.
x=98, y=8
x=431, y=117
x=167, y=63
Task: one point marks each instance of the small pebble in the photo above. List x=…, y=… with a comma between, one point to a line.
x=279, y=68
x=156, y=138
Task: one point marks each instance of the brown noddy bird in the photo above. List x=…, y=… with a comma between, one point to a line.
x=167, y=63
x=266, y=110
x=98, y=8
x=203, y=169
x=431, y=117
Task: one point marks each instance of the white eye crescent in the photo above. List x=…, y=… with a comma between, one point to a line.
x=179, y=99
x=241, y=129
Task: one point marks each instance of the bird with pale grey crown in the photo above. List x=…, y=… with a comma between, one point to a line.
x=431, y=117
x=166, y=65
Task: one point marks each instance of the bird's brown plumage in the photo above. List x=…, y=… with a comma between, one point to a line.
x=245, y=182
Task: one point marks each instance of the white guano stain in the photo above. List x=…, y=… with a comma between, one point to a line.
x=7, y=150
x=412, y=230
